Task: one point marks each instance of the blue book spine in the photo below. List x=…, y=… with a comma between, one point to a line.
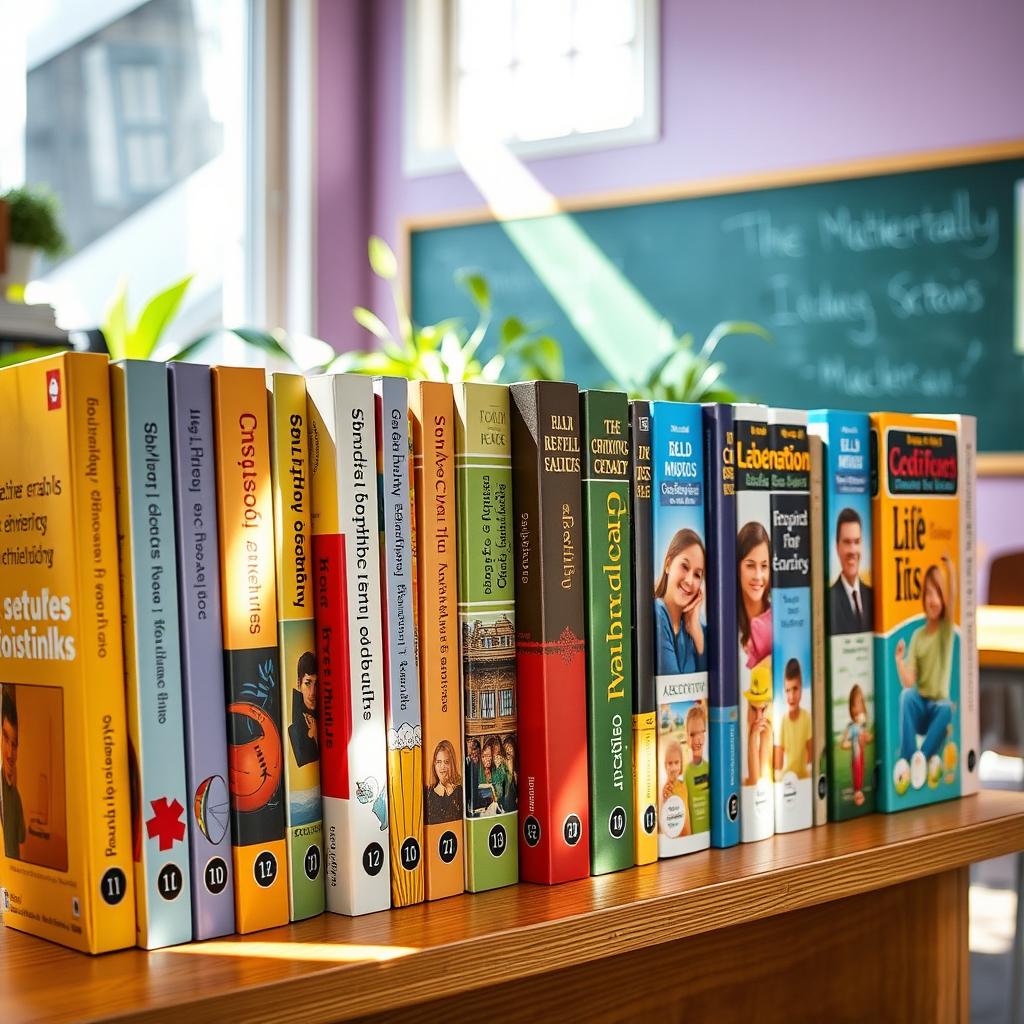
x=680, y=628
x=723, y=684
x=202, y=653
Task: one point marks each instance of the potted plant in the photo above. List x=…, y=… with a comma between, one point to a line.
x=34, y=227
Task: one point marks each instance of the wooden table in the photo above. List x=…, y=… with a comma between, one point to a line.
x=866, y=918
x=1000, y=636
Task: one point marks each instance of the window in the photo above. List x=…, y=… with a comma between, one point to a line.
x=506, y=703
x=487, y=704
x=544, y=77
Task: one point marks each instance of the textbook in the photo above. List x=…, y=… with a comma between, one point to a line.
x=398, y=617
x=202, y=652
x=487, y=616
x=350, y=650
x=916, y=577
x=680, y=628
x=550, y=650
x=819, y=662
x=845, y=616
x=604, y=421
x=293, y=565
x=645, y=735
x=789, y=467
x=66, y=869
x=754, y=622
x=152, y=657
x=248, y=594
x=723, y=689
x=432, y=409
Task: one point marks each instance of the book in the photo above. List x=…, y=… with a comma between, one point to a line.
x=202, y=651
x=152, y=656
x=350, y=656
x=754, y=621
x=916, y=485
x=66, y=870
x=680, y=628
x=723, y=688
x=645, y=718
x=432, y=409
x=487, y=633
x=296, y=631
x=845, y=616
x=604, y=425
x=550, y=649
x=790, y=472
x=252, y=676
x=819, y=662
x=401, y=662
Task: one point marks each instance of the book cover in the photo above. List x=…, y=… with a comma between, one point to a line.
x=293, y=569
x=350, y=655
x=152, y=656
x=202, y=651
x=401, y=663
x=847, y=609
x=754, y=621
x=680, y=628
x=723, y=686
x=550, y=649
x=604, y=423
x=790, y=474
x=916, y=486
x=645, y=718
x=66, y=869
x=487, y=616
x=252, y=677
x=432, y=409
x=819, y=661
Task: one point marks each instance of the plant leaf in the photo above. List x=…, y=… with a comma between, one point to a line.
x=23, y=355
x=154, y=318
x=306, y=352
x=476, y=284
x=115, y=322
x=373, y=323
x=727, y=327
x=512, y=329
x=382, y=258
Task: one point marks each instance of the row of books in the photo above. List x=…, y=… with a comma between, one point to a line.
x=275, y=645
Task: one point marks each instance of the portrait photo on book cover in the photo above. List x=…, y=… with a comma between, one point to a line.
x=33, y=794
x=444, y=785
x=851, y=598
x=679, y=606
x=304, y=725
x=684, y=780
x=491, y=775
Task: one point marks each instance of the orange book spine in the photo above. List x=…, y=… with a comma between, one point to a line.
x=432, y=409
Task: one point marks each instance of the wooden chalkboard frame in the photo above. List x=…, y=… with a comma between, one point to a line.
x=989, y=463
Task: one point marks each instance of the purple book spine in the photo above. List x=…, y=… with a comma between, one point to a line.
x=202, y=650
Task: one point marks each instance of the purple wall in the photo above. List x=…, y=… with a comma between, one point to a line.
x=745, y=88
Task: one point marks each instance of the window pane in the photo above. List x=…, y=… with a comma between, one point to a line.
x=542, y=99
x=484, y=29
x=543, y=28
x=605, y=90
x=485, y=105
x=604, y=23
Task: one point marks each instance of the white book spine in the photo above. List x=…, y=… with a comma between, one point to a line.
x=970, y=729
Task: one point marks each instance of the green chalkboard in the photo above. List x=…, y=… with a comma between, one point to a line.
x=889, y=290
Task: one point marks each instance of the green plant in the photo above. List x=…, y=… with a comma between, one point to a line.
x=34, y=215
x=686, y=374
x=447, y=350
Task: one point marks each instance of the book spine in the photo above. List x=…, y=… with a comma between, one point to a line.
x=149, y=596
x=723, y=688
x=847, y=622
x=790, y=471
x=645, y=734
x=550, y=650
x=432, y=407
x=917, y=482
x=819, y=660
x=754, y=622
x=483, y=478
x=202, y=673
x=346, y=550
x=108, y=898
x=680, y=628
x=604, y=422
x=401, y=666
x=245, y=515
x=970, y=728
x=289, y=472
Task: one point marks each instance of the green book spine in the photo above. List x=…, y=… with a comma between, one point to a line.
x=483, y=475
x=604, y=417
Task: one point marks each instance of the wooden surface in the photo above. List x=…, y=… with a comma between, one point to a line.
x=1000, y=636
x=334, y=968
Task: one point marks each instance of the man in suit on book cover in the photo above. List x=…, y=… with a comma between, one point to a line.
x=852, y=600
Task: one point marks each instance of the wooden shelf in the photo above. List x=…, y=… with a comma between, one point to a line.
x=335, y=968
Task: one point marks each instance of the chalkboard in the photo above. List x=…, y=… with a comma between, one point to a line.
x=895, y=290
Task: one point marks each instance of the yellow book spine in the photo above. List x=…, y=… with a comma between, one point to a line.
x=645, y=784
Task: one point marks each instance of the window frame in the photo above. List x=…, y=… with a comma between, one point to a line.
x=420, y=161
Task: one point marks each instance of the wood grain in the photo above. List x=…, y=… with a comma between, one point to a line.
x=334, y=968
